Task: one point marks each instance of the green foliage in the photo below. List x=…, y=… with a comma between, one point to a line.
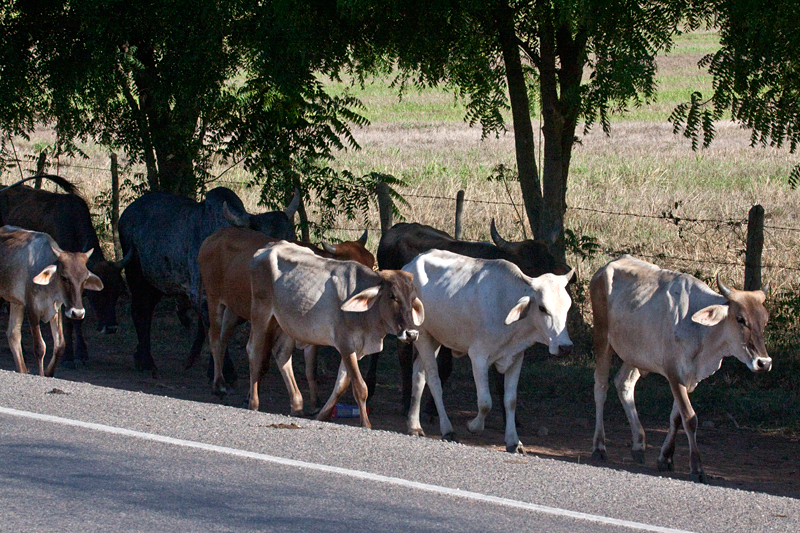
x=756, y=76
x=583, y=246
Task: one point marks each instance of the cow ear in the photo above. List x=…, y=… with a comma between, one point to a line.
x=711, y=315
x=519, y=311
x=417, y=312
x=93, y=283
x=234, y=220
x=45, y=276
x=361, y=301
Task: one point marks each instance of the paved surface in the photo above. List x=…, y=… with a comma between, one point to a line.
x=80, y=457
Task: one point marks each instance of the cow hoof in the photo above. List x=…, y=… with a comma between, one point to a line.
x=416, y=432
x=599, y=455
x=665, y=465
x=449, y=437
x=699, y=477
x=638, y=456
x=516, y=448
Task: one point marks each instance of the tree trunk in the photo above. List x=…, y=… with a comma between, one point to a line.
x=521, y=115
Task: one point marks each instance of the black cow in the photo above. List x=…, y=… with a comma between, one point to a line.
x=164, y=232
x=66, y=218
x=404, y=241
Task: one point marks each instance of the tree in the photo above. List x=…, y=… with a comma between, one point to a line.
x=179, y=83
x=756, y=75
x=580, y=60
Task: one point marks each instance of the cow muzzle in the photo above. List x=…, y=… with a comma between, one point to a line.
x=408, y=335
x=761, y=364
x=75, y=314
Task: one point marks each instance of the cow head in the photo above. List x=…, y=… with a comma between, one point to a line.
x=276, y=224
x=547, y=309
x=71, y=276
x=399, y=307
x=533, y=257
x=104, y=303
x=743, y=319
x=351, y=251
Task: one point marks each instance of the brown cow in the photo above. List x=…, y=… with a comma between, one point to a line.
x=324, y=302
x=39, y=277
x=224, y=260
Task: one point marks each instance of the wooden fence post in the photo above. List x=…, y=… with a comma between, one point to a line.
x=755, y=245
x=115, y=207
x=459, y=212
x=384, y=206
x=37, y=183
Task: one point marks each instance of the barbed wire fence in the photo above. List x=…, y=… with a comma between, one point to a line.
x=684, y=224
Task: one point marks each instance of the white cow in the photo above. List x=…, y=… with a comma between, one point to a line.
x=491, y=311
x=671, y=323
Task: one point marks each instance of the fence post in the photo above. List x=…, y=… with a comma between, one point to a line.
x=37, y=183
x=459, y=211
x=115, y=207
x=384, y=206
x=755, y=245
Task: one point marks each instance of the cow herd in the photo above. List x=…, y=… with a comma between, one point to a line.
x=439, y=296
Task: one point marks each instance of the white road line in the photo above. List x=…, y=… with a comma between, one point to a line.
x=555, y=511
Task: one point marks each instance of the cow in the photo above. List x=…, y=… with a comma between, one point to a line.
x=673, y=324
x=224, y=260
x=164, y=233
x=66, y=218
x=324, y=302
x=491, y=311
x=37, y=278
x=404, y=241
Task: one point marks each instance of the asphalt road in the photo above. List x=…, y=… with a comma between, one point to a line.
x=75, y=457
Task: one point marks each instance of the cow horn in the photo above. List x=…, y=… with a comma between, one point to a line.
x=331, y=249
x=498, y=240
x=765, y=290
x=725, y=291
x=291, y=209
x=122, y=263
x=233, y=219
x=363, y=238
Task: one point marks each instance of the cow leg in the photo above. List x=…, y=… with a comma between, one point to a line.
x=220, y=330
x=259, y=347
x=14, y=335
x=444, y=363
x=39, y=346
x=310, y=358
x=513, y=445
x=144, y=298
x=56, y=329
x=480, y=372
x=427, y=348
x=80, y=343
x=342, y=382
x=371, y=378
x=417, y=386
x=284, y=346
x=359, y=386
x=689, y=419
x=668, y=448
x=69, y=351
x=603, y=352
x=405, y=355
x=625, y=381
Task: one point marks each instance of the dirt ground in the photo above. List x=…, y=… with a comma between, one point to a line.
x=732, y=457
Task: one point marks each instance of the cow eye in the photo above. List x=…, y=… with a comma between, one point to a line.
x=543, y=309
x=392, y=296
x=741, y=320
